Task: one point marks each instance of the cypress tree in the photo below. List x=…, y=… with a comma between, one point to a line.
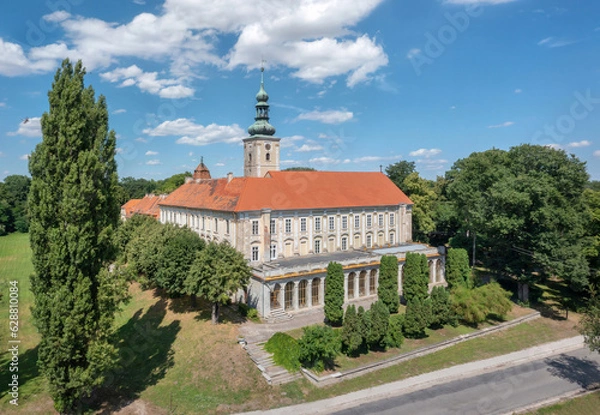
x=334, y=294
x=388, y=283
x=416, y=277
x=380, y=320
x=417, y=318
x=73, y=217
x=351, y=335
x=458, y=272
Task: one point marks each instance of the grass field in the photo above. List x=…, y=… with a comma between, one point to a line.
x=584, y=405
x=173, y=361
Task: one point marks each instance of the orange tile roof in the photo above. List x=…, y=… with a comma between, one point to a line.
x=129, y=206
x=146, y=206
x=290, y=190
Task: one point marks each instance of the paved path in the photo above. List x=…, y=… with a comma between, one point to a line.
x=456, y=376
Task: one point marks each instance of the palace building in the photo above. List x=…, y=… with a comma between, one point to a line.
x=290, y=225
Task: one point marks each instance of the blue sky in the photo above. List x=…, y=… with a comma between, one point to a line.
x=352, y=85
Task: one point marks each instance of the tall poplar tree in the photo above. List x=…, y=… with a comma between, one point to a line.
x=388, y=283
x=334, y=294
x=73, y=216
x=415, y=283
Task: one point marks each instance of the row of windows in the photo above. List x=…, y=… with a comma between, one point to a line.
x=318, y=245
x=331, y=223
x=194, y=221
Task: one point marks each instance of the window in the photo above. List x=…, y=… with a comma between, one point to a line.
x=272, y=229
x=356, y=221
x=344, y=222
x=392, y=238
x=302, y=293
x=315, y=291
x=351, y=279
x=317, y=246
x=380, y=220
x=203, y=222
x=318, y=224
x=288, y=226
x=369, y=241
x=288, y=296
x=331, y=223
x=216, y=225
x=227, y=226
x=302, y=224
x=344, y=243
x=373, y=282
x=392, y=219
x=268, y=156
x=369, y=221
x=273, y=251
x=255, y=253
x=254, y=227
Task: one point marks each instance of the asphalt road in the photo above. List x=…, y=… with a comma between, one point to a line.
x=498, y=392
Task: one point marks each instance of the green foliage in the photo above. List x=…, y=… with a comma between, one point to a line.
x=394, y=337
x=133, y=227
x=179, y=247
x=217, y=273
x=421, y=192
x=591, y=200
x=13, y=204
x=132, y=188
x=442, y=312
x=250, y=313
x=253, y=315
x=74, y=215
x=476, y=305
x=458, y=272
x=417, y=318
x=334, y=294
x=285, y=350
x=352, y=336
x=379, y=319
x=171, y=183
x=387, y=291
x=589, y=325
x=415, y=281
x=399, y=171
x=525, y=206
x=143, y=251
x=319, y=346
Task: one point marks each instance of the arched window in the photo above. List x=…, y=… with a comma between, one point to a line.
x=302, y=293
x=289, y=295
x=275, y=302
x=362, y=284
x=373, y=282
x=268, y=156
x=316, y=285
x=351, y=278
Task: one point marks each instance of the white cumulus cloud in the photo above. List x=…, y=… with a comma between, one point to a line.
x=423, y=152
x=327, y=117
x=305, y=148
x=154, y=162
x=578, y=144
x=504, y=124
x=29, y=127
x=148, y=82
x=196, y=134
x=151, y=153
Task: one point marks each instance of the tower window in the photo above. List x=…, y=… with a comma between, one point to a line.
x=268, y=156
x=250, y=157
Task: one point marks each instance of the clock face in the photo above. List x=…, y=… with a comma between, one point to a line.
x=268, y=146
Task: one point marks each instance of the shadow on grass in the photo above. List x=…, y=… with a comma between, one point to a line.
x=145, y=354
x=28, y=370
x=584, y=372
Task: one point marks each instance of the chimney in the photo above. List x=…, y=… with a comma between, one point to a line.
x=188, y=179
x=229, y=177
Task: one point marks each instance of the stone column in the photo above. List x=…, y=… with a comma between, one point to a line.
x=356, y=286
x=368, y=285
x=400, y=270
x=345, y=288
x=295, y=296
x=321, y=291
x=309, y=294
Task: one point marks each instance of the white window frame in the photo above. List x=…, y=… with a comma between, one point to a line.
x=273, y=251
x=356, y=221
x=302, y=224
x=255, y=227
x=344, y=243
x=255, y=253
x=288, y=225
x=369, y=221
x=332, y=223
x=317, y=224
x=369, y=241
x=317, y=246
x=273, y=226
x=392, y=238
x=380, y=220
x=392, y=219
x=344, y=222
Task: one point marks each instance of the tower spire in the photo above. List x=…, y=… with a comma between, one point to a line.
x=261, y=124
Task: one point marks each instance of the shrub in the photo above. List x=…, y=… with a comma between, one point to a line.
x=458, y=272
x=394, y=337
x=476, y=305
x=352, y=337
x=380, y=318
x=253, y=314
x=417, y=318
x=319, y=346
x=285, y=350
x=441, y=308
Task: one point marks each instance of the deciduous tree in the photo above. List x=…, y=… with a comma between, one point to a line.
x=319, y=346
x=217, y=273
x=74, y=215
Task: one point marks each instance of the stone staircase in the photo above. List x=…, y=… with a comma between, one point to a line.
x=275, y=375
x=278, y=315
